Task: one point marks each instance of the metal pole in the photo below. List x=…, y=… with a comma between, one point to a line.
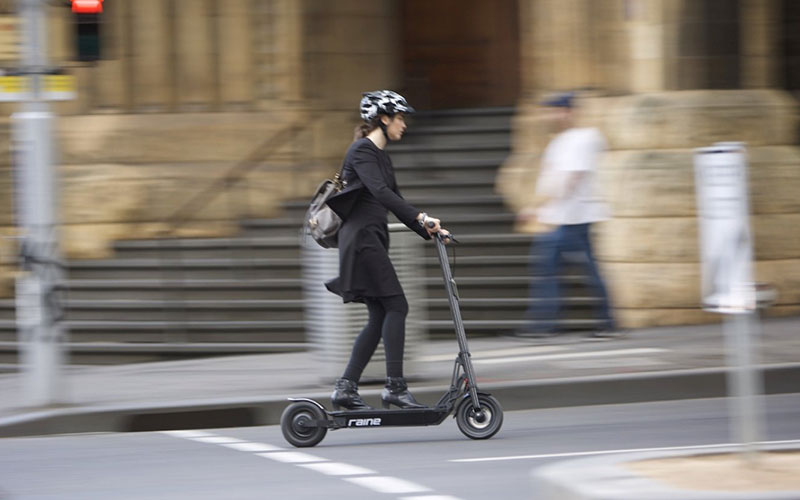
x=38, y=313
x=745, y=384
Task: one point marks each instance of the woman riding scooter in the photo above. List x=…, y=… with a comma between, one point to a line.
x=365, y=272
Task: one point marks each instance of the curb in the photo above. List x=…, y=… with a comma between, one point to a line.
x=521, y=395
x=606, y=478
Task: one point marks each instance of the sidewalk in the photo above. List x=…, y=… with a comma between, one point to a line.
x=646, y=365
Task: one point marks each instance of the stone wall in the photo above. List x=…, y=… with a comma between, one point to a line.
x=124, y=176
x=650, y=248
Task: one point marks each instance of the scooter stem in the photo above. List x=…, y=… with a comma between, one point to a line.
x=455, y=312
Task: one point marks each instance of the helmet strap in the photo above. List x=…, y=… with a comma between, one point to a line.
x=383, y=128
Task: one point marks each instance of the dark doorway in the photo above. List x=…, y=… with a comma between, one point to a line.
x=709, y=48
x=461, y=53
x=791, y=45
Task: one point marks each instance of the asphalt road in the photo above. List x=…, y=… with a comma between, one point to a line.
x=433, y=463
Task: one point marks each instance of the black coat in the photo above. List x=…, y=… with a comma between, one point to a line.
x=371, y=190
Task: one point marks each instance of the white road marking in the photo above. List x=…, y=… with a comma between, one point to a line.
x=338, y=469
x=569, y=355
x=291, y=457
x=495, y=352
x=253, y=447
x=380, y=484
x=613, y=452
x=386, y=484
x=430, y=497
x=215, y=439
x=186, y=434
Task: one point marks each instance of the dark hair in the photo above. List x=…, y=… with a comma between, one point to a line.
x=365, y=128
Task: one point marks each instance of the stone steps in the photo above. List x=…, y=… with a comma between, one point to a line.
x=176, y=331
x=242, y=268
x=287, y=289
x=440, y=206
x=136, y=352
x=150, y=310
x=464, y=167
x=212, y=249
x=461, y=224
x=454, y=162
x=469, y=265
x=183, y=289
x=259, y=332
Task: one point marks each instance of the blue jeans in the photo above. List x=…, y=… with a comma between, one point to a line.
x=544, y=308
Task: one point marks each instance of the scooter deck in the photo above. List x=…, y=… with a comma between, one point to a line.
x=388, y=418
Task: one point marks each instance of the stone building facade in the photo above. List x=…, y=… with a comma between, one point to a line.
x=188, y=88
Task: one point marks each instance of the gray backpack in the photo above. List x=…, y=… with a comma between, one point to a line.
x=320, y=221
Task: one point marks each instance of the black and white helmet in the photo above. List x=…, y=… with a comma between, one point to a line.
x=383, y=102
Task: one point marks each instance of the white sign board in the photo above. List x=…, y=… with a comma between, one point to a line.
x=726, y=248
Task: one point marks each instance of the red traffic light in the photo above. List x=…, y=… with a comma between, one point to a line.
x=87, y=6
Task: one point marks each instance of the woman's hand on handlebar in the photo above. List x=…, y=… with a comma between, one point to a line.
x=431, y=224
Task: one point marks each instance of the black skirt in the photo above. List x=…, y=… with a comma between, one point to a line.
x=365, y=269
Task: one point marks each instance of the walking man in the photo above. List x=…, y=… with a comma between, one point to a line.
x=567, y=204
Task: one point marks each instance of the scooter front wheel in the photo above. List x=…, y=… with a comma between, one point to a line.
x=300, y=424
x=482, y=423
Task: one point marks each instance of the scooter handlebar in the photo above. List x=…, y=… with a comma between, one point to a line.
x=450, y=237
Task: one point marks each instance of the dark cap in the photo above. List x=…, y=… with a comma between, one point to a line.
x=562, y=100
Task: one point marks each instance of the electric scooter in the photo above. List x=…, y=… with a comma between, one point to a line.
x=305, y=422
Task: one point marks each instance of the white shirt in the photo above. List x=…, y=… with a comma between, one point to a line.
x=576, y=150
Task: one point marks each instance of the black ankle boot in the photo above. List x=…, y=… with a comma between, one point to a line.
x=345, y=394
x=396, y=393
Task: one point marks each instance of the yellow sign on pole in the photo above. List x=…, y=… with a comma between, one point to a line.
x=59, y=87
x=14, y=88
x=55, y=87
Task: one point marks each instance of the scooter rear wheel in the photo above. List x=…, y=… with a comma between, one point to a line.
x=483, y=423
x=299, y=427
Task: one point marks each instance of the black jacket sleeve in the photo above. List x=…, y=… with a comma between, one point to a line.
x=366, y=166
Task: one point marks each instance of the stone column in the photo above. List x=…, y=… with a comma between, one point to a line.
x=646, y=38
x=150, y=43
x=236, y=53
x=193, y=54
x=287, y=46
x=649, y=250
x=556, y=39
x=760, y=34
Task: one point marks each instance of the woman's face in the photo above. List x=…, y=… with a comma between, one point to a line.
x=395, y=126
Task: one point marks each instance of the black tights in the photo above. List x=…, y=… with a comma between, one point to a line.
x=387, y=320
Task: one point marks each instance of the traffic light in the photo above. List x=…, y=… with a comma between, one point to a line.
x=87, y=6
x=87, y=26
